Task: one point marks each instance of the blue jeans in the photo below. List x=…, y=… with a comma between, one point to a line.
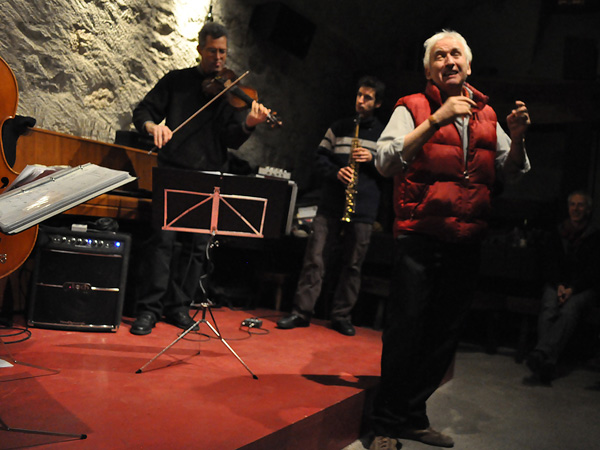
x=556, y=322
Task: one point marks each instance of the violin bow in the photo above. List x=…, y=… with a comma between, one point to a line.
x=206, y=105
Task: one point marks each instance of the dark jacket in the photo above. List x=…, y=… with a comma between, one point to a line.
x=203, y=142
x=573, y=257
x=333, y=154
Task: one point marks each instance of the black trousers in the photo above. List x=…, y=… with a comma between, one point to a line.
x=169, y=273
x=432, y=290
x=327, y=233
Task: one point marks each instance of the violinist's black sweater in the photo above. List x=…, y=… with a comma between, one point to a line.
x=333, y=154
x=202, y=143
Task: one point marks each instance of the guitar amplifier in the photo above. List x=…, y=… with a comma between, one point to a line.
x=79, y=280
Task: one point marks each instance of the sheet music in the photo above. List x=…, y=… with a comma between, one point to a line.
x=32, y=172
x=34, y=202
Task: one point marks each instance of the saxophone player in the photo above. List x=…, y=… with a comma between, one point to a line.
x=345, y=215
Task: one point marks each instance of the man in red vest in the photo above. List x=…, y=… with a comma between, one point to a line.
x=446, y=152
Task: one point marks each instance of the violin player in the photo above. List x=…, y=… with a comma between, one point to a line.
x=168, y=284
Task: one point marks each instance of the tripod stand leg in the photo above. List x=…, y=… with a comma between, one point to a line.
x=170, y=345
x=231, y=350
x=14, y=361
x=5, y=427
x=205, y=307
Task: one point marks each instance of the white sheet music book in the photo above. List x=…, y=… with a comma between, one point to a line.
x=27, y=205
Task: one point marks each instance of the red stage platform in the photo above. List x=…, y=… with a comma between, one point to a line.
x=310, y=391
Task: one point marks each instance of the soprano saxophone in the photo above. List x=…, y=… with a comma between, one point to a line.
x=350, y=205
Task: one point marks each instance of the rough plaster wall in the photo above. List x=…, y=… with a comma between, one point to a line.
x=83, y=65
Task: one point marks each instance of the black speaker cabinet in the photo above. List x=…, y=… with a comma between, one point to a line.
x=79, y=280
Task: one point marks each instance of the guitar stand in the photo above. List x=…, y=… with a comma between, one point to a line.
x=205, y=307
x=5, y=427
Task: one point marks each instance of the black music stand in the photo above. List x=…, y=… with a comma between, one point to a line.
x=213, y=203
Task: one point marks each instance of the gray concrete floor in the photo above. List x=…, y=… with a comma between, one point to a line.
x=488, y=405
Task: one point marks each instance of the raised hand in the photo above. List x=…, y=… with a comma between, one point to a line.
x=518, y=120
x=456, y=106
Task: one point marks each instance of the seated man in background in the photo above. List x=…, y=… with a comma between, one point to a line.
x=571, y=287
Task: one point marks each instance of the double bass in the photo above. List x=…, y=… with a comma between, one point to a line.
x=14, y=249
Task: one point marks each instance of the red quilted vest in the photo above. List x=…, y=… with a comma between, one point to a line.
x=440, y=194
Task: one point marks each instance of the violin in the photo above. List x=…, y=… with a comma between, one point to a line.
x=222, y=84
x=239, y=96
x=14, y=249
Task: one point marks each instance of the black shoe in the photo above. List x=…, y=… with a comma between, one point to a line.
x=292, y=321
x=181, y=320
x=539, y=365
x=343, y=326
x=535, y=361
x=548, y=372
x=143, y=324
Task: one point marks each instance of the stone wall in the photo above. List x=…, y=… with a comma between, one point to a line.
x=83, y=65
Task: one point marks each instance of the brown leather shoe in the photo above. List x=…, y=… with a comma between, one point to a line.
x=383, y=443
x=427, y=436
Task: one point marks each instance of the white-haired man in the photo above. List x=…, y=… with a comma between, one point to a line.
x=445, y=149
